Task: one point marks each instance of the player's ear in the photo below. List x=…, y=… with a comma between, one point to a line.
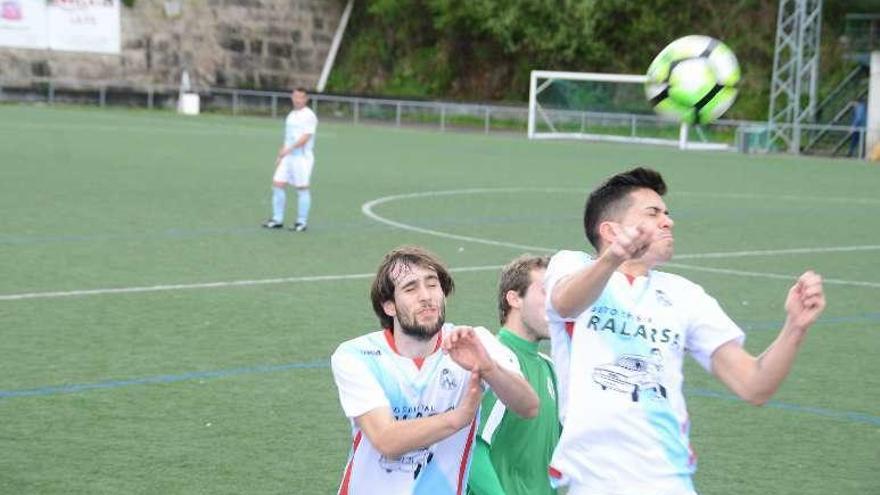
x=513, y=299
x=607, y=232
x=390, y=308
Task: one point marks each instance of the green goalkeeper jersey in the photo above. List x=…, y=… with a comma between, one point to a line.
x=512, y=454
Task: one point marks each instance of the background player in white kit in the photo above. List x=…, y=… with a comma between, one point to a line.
x=294, y=163
x=413, y=389
x=619, y=332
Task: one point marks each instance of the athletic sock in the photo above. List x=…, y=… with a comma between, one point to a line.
x=279, y=198
x=304, y=203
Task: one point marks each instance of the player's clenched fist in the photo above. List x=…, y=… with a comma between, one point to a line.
x=630, y=242
x=805, y=301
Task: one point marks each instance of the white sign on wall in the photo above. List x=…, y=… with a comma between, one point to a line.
x=66, y=25
x=84, y=25
x=23, y=24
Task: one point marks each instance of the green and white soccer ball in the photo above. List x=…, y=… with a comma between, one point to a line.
x=693, y=80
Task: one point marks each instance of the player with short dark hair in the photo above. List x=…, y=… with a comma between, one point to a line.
x=512, y=454
x=620, y=330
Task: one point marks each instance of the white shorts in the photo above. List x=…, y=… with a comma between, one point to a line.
x=295, y=170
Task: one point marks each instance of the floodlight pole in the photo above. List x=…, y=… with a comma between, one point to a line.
x=795, y=71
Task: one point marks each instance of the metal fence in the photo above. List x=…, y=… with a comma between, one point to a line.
x=745, y=136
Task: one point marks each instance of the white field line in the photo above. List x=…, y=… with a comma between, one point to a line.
x=356, y=276
x=778, y=252
x=210, y=285
x=367, y=209
x=780, y=276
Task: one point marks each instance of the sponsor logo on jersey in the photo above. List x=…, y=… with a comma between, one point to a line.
x=662, y=298
x=447, y=379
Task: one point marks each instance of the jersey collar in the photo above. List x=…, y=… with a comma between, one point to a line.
x=389, y=337
x=511, y=339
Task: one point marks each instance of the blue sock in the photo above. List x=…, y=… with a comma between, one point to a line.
x=304, y=202
x=279, y=198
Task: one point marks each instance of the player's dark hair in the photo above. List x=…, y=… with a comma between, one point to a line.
x=516, y=276
x=383, y=285
x=612, y=197
x=301, y=89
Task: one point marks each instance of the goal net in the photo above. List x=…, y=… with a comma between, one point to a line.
x=609, y=107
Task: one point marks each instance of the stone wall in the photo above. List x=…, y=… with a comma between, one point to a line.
x=261, y=44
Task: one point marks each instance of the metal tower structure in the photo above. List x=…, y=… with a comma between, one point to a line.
x=795, y=71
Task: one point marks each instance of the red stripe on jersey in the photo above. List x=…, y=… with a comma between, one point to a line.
x=466, y=455
x=692, y=454
x=630, y=278
x=343, y=488
x=554, y=473
x=389, y=337
x=569, y=328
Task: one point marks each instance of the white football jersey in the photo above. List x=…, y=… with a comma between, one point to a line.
x=620, y=366
x=299, y=122
x=369, y=374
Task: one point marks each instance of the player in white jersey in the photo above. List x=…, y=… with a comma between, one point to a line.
x=620, y=331
x=294, y=163
x=413, y=389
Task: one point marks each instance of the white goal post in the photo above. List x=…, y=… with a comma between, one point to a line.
x=557, y=121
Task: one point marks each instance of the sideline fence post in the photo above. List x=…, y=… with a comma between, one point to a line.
x=487, y=123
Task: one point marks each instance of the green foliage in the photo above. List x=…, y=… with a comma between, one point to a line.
x=484, y=49
x=128, y=3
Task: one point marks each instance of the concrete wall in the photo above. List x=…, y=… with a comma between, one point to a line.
x=264, y=44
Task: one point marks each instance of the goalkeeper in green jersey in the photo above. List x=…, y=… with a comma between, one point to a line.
x=512, y=454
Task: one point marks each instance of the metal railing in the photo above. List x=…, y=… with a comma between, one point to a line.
x=438, y=114
x=746, y=136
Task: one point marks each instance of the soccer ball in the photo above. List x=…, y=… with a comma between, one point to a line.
x=693, y=79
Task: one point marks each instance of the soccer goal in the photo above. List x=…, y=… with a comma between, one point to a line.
x=610, y=107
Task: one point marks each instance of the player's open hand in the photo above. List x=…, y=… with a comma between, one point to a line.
x=805, y=301
x=630, y=242
x=465, y=348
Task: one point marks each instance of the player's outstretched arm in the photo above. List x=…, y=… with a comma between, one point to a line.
x=576, y=292
x=394, y=438
x=465, y=347
x=756, y=379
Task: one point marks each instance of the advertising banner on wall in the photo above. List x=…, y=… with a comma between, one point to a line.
x=66, y=25
x=23, y=24
x=83, y=25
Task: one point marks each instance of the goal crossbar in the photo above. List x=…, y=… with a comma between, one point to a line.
x=540, y=80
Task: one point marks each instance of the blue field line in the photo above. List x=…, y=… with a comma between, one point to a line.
x=848, y=416
x=161, y=379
